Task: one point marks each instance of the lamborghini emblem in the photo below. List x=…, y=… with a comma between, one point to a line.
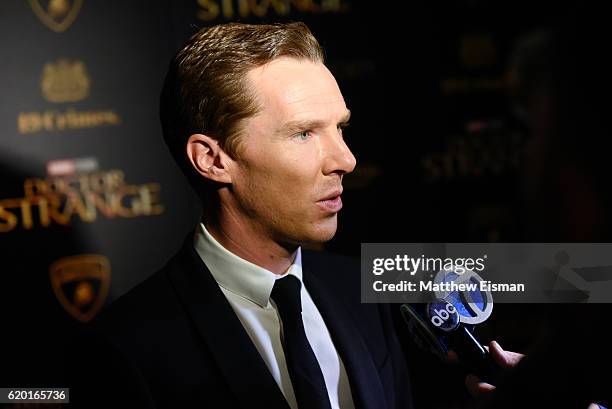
x=81, y=284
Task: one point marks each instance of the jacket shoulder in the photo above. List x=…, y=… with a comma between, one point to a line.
x=143, y=310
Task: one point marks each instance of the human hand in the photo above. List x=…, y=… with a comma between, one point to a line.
x=505, y=359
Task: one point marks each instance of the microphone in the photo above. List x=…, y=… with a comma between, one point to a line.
x=448, y=322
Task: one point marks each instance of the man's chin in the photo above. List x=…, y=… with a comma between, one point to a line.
x=323, y=234
x=313, y=235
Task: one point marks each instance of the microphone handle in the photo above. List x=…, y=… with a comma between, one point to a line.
x=474, y=357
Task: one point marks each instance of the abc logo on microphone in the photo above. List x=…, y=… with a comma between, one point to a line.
x=443, y=315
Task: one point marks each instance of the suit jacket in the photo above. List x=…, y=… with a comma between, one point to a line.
x=174, y=341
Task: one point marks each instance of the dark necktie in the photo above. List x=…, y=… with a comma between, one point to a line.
x=304, y=370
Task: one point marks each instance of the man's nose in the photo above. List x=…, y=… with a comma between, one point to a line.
x=337, y=157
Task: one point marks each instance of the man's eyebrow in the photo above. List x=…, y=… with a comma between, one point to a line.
x=309, y=124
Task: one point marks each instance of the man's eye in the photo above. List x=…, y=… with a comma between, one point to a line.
x=302, y=136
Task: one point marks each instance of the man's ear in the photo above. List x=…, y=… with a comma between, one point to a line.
x=208, y=158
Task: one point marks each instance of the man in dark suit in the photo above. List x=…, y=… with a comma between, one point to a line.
x=241, y=316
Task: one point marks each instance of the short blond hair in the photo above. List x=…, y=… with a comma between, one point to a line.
x=205, y=90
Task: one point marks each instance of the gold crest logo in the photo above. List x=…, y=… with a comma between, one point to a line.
x=81, y=284
x=64, y=81
x=57, y=15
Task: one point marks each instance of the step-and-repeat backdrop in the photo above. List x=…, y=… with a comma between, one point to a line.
x=91, y=202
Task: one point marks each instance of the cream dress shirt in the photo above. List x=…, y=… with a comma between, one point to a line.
x=247, y=287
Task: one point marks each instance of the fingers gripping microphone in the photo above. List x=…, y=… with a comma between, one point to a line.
x=448, y=323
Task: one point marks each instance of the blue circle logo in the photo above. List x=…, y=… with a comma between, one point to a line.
x=443, y=315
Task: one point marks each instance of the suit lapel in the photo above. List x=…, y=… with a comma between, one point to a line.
x=366, y=386
x=223, y=333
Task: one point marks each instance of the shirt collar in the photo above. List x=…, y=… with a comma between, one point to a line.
x=237, y=275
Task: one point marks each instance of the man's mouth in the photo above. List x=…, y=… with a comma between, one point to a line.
x=332, y=202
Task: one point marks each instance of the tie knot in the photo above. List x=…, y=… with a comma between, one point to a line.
x=286, y=293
